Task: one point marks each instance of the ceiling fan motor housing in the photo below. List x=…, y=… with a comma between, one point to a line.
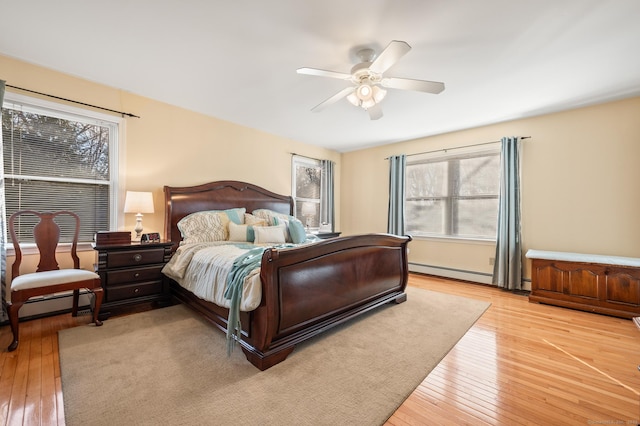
x=361, y=71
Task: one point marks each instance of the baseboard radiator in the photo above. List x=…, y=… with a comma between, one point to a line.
x=456, y=274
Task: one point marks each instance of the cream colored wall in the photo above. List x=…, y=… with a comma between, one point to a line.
x=176, y=147
x=580, y=179
x=579, y=175
x=173, y=146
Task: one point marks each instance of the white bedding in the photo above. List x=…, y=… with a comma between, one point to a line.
x=202, y=268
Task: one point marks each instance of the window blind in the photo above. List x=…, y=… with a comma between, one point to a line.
x=56, y=161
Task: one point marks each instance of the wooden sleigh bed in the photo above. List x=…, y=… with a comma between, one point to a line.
x=305, y=290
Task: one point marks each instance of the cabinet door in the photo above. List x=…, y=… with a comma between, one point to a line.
x=568, y=279
x=622, y=286
x=546, y=277
x=583, y=280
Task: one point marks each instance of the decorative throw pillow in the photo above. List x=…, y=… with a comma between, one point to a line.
x=236, y=215
x=297, y=231
x=269, y=215
x=237, y=232
x=203, y=227
x=250, y=219
x=269, y=234
x=241, y=232
x=294, y=229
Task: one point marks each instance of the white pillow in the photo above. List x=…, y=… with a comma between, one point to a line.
x=238, y=232
x=269, y=234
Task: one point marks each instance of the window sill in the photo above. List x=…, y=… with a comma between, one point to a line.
x=456, y=240
x=30, y=249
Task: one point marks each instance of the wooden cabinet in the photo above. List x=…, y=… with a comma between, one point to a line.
x=596, y=287
x=131, y=274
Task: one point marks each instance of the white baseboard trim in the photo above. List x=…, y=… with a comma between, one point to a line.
x=456, y=274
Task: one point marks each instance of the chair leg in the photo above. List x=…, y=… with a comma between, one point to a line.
x=97, y=292
x=13, y=309
x=74, y=308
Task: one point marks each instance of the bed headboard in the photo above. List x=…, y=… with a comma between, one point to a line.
x=226, y=194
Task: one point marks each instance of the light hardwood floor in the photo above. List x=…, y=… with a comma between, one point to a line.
x=521, y=363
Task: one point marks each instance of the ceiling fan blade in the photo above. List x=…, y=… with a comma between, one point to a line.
x=389, y=56
x=375, y=112
x=434, y=87
x=324, y=73
x=341, y=94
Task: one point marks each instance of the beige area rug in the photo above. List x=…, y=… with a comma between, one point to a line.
x=169, y=367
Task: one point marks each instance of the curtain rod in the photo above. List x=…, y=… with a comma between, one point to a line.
x=75, y=102
x=458, y=147
x=306, y=156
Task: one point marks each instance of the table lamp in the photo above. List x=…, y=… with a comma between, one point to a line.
x=138, y=203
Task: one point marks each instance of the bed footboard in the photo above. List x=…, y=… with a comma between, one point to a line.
x=307, y=290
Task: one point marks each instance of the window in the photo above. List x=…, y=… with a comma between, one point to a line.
x=306, y=189
x=453, y=195
x=59, y=158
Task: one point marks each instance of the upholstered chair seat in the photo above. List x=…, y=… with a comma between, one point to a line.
x=51, y=278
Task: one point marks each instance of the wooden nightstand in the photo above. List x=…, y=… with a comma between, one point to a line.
x=131, y=274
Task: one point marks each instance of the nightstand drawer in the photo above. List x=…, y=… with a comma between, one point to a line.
x=118, y=259
x=133, y=275
x=134, y=290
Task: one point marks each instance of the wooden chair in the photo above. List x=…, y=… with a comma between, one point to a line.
x=48, y=278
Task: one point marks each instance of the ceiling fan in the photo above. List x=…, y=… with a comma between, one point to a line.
x=369, y=81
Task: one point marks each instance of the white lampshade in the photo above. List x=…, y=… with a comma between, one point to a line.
x=138, y=202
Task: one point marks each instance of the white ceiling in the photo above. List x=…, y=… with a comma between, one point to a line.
x=237, y=60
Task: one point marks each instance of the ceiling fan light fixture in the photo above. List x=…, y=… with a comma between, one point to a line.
x=378, y=94
x=366, y=95
x=353, y=99
x=367, y=104
x=364, y=92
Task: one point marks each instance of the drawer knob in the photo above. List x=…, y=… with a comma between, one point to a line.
x=136, y=290
x=137, y=257
x=136, y=275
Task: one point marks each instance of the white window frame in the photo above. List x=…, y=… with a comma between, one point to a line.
x=445, y=155
x=68, y=112
x=312, y=162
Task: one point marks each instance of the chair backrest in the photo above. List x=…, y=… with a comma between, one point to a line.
x=46, y=234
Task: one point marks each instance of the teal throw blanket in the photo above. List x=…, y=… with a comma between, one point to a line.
x=243, y=264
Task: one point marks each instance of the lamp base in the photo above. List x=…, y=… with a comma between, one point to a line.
x=138, y=228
